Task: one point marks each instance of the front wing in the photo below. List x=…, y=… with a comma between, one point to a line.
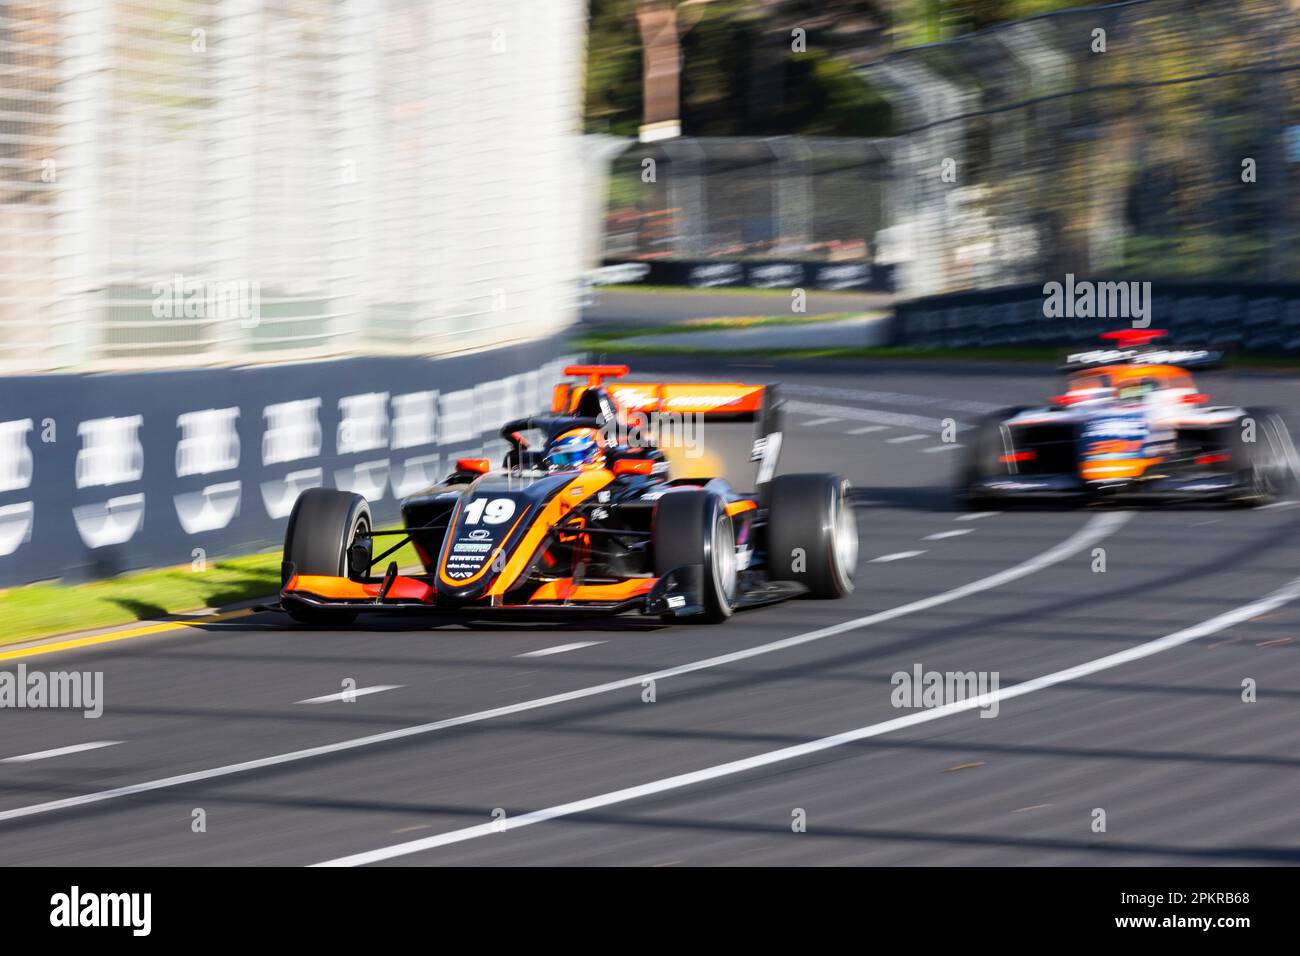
x=1042, y=486
x=676, y=593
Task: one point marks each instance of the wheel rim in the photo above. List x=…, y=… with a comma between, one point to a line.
x=724, y=559
x=360, y=529
x=846, y=540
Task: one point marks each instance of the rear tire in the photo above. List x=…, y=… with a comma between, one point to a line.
x=811, y=526
x=692, y=527
x=322, y=527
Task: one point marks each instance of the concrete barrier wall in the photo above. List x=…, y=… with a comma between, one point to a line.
x=104, y=473
x=1254, y=318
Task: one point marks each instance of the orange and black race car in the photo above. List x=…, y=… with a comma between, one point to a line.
x=657, y=498
x=1131, y=422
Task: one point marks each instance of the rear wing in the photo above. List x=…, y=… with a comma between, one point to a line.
x=707, y=429
x=725, y=430
x=1133, y=347
x=1181, y=358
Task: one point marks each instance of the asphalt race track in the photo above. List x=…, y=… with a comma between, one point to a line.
x=467, y=720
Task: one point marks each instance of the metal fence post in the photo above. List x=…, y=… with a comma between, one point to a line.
x=356, y=79
x=80, y=202
x=231, y=170
x=793, y=199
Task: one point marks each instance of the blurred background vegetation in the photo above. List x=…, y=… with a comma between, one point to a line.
x=742, y=78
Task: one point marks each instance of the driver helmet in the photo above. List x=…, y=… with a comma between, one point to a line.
x=577, y=448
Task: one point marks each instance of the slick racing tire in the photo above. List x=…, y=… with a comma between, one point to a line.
x=692, y=527
x=323, y=526
x=1266, y=465
x=812, y=534
x=983, y=458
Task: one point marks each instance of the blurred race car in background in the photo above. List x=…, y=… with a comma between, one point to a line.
x=592, y=511
x=1130, y=422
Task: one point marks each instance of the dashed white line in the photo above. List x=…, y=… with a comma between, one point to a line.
x=902, y=438
x=349, y=694
x=976, y=515
x=1222, y=621
x=896, y=556
x=947, y=446
x=940, y=535
x=821, y=421
x=873, y=416
x=560, y=649
x=1097, y=528
x=866, y=429
x=60, y=751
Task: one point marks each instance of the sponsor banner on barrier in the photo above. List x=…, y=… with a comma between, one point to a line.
x=1261, y=318
x=105, y=473
x=765, y=274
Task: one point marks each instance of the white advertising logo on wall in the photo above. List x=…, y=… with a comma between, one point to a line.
x=363, y=427
x=293, y=432
x=415, y=424
x=209, y=445
x=15, y=475
x=111, y=454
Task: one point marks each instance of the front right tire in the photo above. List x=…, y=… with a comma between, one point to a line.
x=812, y=533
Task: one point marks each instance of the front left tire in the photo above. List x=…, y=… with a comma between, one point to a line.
x=323, y=526
x=812, y=533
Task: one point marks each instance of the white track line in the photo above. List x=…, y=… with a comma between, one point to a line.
x=947, y=446
x=60, y=751
x=896, y=556
x=349, y=694
x=820, y=421
x=887, y=398
x=560, y=649
x=1097, y=528
x=976, y=515
x=940, y=535
x=874, y=415
x=866, y=429
x=903, y=438
x=1227, y=619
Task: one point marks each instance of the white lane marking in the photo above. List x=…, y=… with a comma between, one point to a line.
x=1097, y=528
x=940, y=535
x=60, y=751
x=820, y=421
x=896, y=556
x=946, y=446
x=1212, y=626
x=850, y=414
x=1279, y=504
x=347, y=694
x=976, y=515
x=903, y=438
x=866, y=429
x=560, y=649
x=888, y=398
